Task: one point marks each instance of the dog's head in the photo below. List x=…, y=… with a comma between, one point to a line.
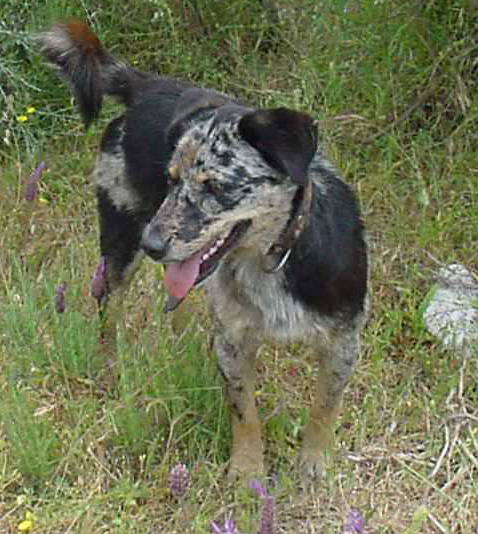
x=232, y=177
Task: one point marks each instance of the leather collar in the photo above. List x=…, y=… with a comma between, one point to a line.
x=279, y=252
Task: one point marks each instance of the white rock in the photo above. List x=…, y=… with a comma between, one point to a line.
x=452, y=313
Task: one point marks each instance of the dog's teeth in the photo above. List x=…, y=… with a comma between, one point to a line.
x=213, y=249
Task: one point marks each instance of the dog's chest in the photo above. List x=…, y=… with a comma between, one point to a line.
x=247, y=299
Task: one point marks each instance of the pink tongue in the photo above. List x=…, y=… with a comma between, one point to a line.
x=180, y=277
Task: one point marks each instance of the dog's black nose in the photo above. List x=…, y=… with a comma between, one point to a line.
x=153, y=245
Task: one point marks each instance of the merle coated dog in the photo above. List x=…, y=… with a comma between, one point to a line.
x=239, y=200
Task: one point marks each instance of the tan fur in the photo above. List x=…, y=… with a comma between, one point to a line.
x=247, y=448
x=183, y=159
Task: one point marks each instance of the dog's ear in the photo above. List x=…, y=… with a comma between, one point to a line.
x=189, y=104
x=286, y=139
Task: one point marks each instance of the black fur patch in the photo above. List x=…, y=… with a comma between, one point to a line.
x=111, y=142
x=327, y=269
x=120, y=233
x=286, y=139
x=224, y=158
x=147, y=153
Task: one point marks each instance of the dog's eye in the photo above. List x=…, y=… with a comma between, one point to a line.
x=212, y=187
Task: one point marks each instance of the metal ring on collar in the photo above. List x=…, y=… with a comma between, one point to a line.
x=280, y=264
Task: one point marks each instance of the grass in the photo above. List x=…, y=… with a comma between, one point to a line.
x=392, y=85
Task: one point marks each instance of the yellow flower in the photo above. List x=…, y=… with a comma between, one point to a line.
x=22, y=118
x=31, y=110
x=27, y=524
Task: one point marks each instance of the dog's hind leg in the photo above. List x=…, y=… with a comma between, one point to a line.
x=128, y=197
x=120, y=235
x=337, y=361
x=237, y=366
x=121, y=224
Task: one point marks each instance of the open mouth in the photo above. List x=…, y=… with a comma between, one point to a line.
x=180, y=277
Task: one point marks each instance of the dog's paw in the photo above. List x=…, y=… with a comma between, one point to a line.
x=311, y=468
x=108, y=380
x=244, y=466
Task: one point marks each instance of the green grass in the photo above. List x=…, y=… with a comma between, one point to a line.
x=392, y=84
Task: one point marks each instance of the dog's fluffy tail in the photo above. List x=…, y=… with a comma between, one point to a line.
x=88, y=67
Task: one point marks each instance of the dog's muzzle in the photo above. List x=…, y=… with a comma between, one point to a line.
x=152, y=244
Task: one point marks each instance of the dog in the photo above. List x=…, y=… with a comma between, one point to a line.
x=238, y=200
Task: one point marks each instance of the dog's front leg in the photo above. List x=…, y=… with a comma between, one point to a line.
x=337, y=361
x=237, y=366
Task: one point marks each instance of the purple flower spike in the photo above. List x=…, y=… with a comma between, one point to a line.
x=354, y=523
x=228, y=528
x=258, y=488
x=60, y=305
x=98, y=283
x=31, y=184
x=179, y=480
x=266, y=525
x=267, y=517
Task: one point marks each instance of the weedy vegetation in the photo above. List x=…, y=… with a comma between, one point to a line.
x=393, y=85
